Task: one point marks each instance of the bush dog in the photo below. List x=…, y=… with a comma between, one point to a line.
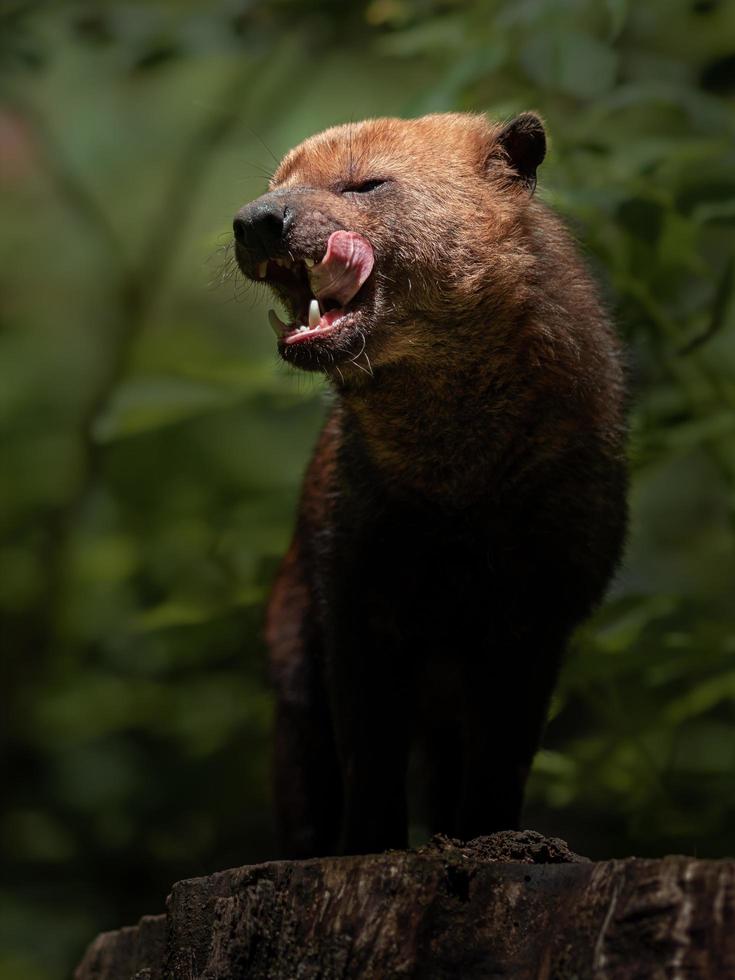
x=464, y=508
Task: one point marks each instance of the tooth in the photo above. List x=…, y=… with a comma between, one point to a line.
x=314, y=314
x=276, y=322
x=302, y=329
x=260, y=269
x=309, y=263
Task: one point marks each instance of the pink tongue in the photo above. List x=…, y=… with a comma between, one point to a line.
x=346, y=265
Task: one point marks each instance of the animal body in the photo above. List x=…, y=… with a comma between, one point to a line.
x=464, y=508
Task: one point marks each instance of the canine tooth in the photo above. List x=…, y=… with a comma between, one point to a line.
x=309, y=263
x=276, y=322
x=260, y=269
x=314, y=314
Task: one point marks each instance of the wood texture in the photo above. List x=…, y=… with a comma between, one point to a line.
x=514, y=905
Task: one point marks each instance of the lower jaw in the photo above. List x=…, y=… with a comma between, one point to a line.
x=323, y=348
x=329, y=323
x=301, y=336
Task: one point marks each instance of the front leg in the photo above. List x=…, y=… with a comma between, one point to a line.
x=551, y=567
x=371, y=703
x=506, y=702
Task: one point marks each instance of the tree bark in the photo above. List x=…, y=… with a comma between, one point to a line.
x=513, y=905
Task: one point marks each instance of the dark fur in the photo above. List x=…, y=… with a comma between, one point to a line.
x=465, y=506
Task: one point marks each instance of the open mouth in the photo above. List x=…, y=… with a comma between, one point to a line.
x=319, y=293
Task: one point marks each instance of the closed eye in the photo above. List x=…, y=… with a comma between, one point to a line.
x=364, y=186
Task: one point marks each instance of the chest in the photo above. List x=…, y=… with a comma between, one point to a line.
x=418, y=570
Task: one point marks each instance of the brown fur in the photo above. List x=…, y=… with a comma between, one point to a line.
x=465, y=505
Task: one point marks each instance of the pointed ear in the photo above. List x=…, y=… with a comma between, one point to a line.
x=522, y=143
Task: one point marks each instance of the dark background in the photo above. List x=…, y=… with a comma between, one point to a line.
x=152, y=446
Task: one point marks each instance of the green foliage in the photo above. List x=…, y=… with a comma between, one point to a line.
x=153, y=447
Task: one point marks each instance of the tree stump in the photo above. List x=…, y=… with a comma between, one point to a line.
x=515, y=905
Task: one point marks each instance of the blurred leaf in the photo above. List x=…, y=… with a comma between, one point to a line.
x=703, y=697
x=720, y=306
x=180, y=613
x=438, y=36
x=142, y=404
x=716, y=211
x=571, y=62
x=618, y=10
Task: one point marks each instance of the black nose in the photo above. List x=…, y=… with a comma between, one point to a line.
x=260, y=226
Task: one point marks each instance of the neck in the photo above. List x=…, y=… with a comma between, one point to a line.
x=439, y=430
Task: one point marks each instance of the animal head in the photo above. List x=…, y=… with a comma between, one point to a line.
x=397, y=238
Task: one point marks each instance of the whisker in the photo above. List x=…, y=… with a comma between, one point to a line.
x=263, y=143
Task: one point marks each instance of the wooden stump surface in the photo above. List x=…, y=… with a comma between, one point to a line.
x=514, y=905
